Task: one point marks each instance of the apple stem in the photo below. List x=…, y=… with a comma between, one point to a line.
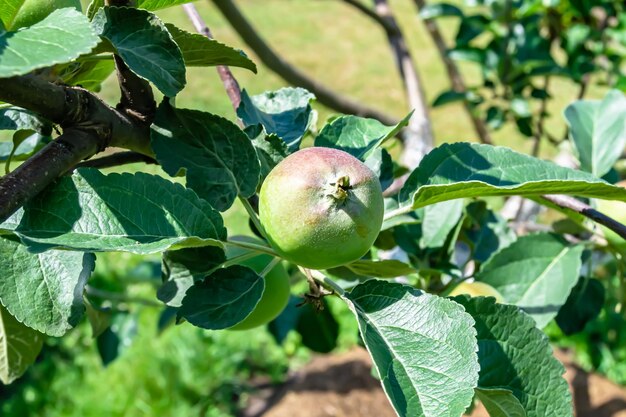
x=253, y=247
x=269, y=267
x=235, y=260
x=253, y=216
x=315, y=275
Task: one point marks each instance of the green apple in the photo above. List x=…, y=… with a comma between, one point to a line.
x=617, y=211
x=321, y=208
x=34, y=11
x=277, y=289
x=477, y=289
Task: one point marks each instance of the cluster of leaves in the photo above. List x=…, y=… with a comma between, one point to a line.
x=433, y=354
x=519, y=45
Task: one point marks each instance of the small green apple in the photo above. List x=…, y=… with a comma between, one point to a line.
x=477, y=289
x=34, y=11
x=277, y=289
x=321, y=208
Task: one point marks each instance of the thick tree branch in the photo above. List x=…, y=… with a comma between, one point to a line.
x=32, y=93
x=292, y=75
x=137, y=98
x=79, y=108
x=228, y=79
x=587, y=211
x=34, y=175
x=117, y=159
x=453, y=74
x=89, y=125
x=418, y=138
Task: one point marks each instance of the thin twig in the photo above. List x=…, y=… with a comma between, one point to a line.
x=252, y=213
x=252, y=246
x=587, y=211
x=34, y=175
x=228, y=80
x=564, y=201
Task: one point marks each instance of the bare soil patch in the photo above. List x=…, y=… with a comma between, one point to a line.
x=342, y=386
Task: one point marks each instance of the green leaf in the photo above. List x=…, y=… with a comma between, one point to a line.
x=431, y=11
x=270, y=149
x=136, y=213
x=423, y=347
x=524, y=125
x=19, y=347
x=17, y=14
x=99, y=319
x=357, y=136
x=475, y=55
x=388, y=268
x=389, y=222
x=472, y=26
x=500, y=402
x=61, y=37
x=380, y=162
x=598, y=131
x=89, y=74
x=44, y=291
x=8, y=11
x=219, y=160
x=200, y=51
x=438, y=221
x=11, y=223
x=450, y=96
x=536, y=272
x=583, y=305
x=514, y=355
x=32, y=133
x=222, y=299
x=495, y=117
x=160, y=4
x=17, y=118
x=286, y=112
x=487, y=231
x=145, y=45
x=520, y=107
x=286, y=321
x=25, y=143
x=462, y=170
x=118, y=337
x=318, y=329
x=93, y=8
x=181, y=268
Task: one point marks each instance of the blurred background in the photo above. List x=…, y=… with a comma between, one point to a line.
x=144, y=365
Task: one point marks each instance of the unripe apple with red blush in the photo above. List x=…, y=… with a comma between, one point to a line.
x=321, y=208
